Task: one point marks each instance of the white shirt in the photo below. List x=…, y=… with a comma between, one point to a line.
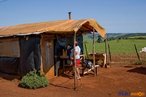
x=77, y=51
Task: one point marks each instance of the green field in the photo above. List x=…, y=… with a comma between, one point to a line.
x=137, y=37
x=123, y=46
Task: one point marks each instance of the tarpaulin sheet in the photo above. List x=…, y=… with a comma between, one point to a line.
x=53, y=27
x=9, y=65
x=30, y=54
x=9, y=47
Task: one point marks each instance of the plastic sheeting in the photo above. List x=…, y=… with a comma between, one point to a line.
x=9, y=47
x=53, y=27
x=9, y=65
x=30, y=54
x=9, y=55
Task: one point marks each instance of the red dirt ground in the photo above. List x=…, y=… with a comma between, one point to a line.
x=110, y=82
x=121, y=79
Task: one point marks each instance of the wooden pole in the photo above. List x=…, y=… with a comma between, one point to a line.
x=74, y=62
x=86, y=50
x=109, y=53
x=137, y=52
x=106, y=50
x=95, y=70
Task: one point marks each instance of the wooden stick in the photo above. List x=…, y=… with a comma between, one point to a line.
x=86, y=50
x=95, y=70
x=137, y=52
x=106, y=51
x=109, y=53
x=90, y=69
x=74, y=63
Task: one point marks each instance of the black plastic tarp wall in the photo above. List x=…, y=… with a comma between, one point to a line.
x=9, y=65
x=21, y=55
x=9, y=55
x=30, y=54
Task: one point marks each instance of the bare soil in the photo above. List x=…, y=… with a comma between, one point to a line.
x=116, y=80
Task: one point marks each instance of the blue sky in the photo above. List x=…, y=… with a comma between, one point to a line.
x=116, y=16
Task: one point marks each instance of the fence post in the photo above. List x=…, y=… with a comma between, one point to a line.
x=109, y=53
x=137, y=52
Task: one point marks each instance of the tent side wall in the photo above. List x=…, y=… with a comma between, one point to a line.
x=20, y=55
x=9, y=55
x=30, y=54
x=26, y=53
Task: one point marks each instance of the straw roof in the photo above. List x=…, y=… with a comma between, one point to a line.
x=53, y=27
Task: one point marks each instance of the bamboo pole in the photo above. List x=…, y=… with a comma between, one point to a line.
x=74, y=62
x=93, y=50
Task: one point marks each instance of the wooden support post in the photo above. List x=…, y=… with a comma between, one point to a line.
x=95, y=70
x=109, y=53
x=106, y=51
x=74, y=62
x=86, y=50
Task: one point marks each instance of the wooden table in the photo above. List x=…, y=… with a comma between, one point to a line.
x=98, y=56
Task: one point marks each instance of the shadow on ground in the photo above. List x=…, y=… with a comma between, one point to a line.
x=9, y=76
x=141, y=70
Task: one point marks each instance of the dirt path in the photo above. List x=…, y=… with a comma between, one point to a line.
x=110, y=82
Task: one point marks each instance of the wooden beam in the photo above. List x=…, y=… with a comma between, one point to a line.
x=86, y=50
x=93, y=51
x=106, y=51
x=74, y=62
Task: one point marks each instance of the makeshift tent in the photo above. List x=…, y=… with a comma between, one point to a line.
x=26, y=47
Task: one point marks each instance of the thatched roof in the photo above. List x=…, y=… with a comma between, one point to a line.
x=53, y=27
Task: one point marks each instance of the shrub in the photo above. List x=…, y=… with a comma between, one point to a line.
x=33, y=80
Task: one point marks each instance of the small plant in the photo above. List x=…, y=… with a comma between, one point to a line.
x=33, y=80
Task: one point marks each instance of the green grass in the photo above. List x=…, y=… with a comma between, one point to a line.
x=126, y=46
x=123, y=46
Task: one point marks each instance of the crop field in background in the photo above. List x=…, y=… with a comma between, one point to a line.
x=144, y=37
x=119, y=46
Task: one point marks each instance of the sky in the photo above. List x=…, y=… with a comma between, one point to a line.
x=116, y=16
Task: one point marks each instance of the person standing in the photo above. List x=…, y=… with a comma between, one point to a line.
x=77, y=58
